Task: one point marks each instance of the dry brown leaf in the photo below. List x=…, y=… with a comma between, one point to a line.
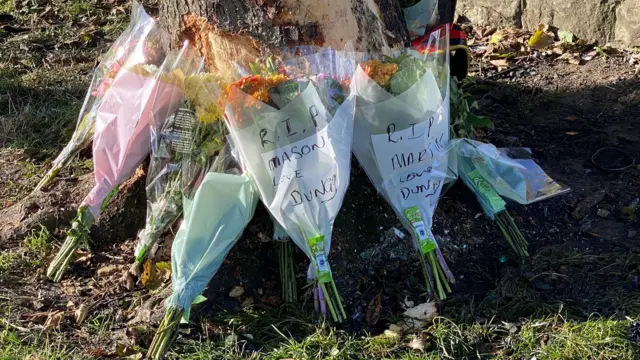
x=236, y=291
x=500, y=63
x=54, y=321
x=416, y=343
x=571, y=133
x=107, y=270
x=373, y=310
x=81, y=313
x=419, y=316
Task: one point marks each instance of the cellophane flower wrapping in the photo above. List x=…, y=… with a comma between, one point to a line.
x=137, y=97
x=297, y=148
x=418, y=16
x=519, y=179
x=170, y=148
x=218, y=202
x=140, y=43
x=401, y=134
x=217, y=198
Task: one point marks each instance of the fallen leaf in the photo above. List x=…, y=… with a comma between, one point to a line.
x=107, y=270
x=54, y=321
x=81, y=313
x=496, y=37
x=391, y=334
x=416, y=343
x=571, y=133
x=148, y=273
x=236, y=291
x=572, y=118
x=566, y=36
x=500, y=63
x=199, y=299
x=97, y=352
x=419, y=316
x=373, y=310
x=541, y=38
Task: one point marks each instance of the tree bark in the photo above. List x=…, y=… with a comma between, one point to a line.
x=244, y=28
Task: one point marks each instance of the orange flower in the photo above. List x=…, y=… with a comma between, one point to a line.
x=380, y=72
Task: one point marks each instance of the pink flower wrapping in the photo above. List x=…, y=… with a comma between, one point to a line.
x=122, y=130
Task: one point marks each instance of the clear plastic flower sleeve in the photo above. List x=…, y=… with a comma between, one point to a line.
x=168, y=146
x=520, y=180
x=299, y=157
x=137, y=97
x=401, y=137
x=138, y=44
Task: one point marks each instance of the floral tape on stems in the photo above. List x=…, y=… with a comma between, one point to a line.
x=487, y=192
x=489, y=198
x=327, y=292
x=77, y=235
x=436, y=277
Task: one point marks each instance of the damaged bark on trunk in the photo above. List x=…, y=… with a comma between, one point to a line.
x=243, y=28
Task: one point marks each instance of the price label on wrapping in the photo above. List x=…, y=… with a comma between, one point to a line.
x=487, y=192
x=323, y=271
x=415, y=218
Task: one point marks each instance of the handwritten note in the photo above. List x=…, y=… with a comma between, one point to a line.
x=306, y=169
x=410, y=160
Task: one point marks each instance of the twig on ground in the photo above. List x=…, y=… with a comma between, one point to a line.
x=19, y=328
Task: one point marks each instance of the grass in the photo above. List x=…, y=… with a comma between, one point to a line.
x=545, y=338
x=32, y=346
x=32, y=252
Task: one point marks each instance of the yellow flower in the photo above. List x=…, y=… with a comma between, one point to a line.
x=209, y=114
x=201, y=89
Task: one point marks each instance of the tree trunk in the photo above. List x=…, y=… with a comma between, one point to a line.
x=236, y=30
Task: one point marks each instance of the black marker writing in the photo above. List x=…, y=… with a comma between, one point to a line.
x=294, y=153
x=314, y=112
x=326, y=191
x=263, y=134
x=413, y=132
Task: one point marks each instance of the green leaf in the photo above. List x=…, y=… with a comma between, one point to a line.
x=480, y=121
x=566, y=36
x=199, y=299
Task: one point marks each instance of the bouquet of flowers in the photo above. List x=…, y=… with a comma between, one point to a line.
x=137, y=97
x=401, y=139
x=218, y=201
x=293, y=134
x=137, y=45
x=172, y=158
x=491, y=174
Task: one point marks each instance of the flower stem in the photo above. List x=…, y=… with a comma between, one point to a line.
x=166, y=334
x=512, y=234
x=77, y=235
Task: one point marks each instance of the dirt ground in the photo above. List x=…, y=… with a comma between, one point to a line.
x=585, y=246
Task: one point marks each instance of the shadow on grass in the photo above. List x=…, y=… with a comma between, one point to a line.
x=41, y=107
